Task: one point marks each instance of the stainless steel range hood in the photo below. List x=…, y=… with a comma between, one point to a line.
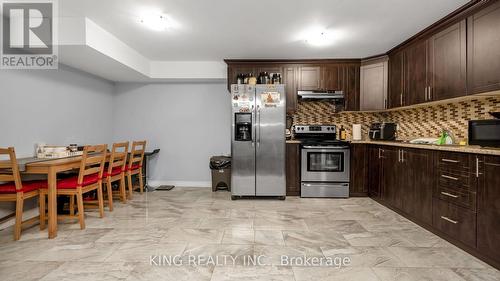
x=321, y=94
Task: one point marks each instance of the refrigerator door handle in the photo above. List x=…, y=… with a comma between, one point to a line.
x=253, y=125
x=258, y=125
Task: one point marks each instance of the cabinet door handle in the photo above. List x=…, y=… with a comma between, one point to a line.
x=449, y=160
x=402, y=155
x=449, y=220
x=477, y=167
x=449, y=194
x=426, y=94
x=401, y=99
x=449, y=177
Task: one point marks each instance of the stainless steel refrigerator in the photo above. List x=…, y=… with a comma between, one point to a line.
x=258, y=140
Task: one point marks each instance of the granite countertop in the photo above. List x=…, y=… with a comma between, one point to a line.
x=454, y=148
x=293, y=141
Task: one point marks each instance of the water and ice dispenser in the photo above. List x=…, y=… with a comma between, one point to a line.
x=243, y=127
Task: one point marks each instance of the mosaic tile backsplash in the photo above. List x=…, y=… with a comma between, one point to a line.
x=427, y=121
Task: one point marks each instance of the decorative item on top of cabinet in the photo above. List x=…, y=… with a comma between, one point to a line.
x=359, y=164
x=293, y=169
x=483, y=50
x=447, y=63
x=373, y=85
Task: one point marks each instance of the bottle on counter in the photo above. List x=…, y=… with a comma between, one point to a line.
x=342, y=133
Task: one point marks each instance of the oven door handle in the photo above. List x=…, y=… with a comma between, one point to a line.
x=325, y=147
x=324, y=184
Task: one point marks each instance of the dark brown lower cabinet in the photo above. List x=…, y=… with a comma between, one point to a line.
x=407, y=180
x=392, y=187
x=358, y=165
x=418, y=179
x=292, y=169
x=374, y=171
x=488, y=205
x=456, y=195
x=455, y=221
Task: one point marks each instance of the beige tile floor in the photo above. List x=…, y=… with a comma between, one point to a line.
x=191, y=222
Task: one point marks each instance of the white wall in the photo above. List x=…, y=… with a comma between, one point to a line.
x=55, y=107
x=188, y=122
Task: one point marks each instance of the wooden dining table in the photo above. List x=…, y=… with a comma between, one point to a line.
x=50, y=168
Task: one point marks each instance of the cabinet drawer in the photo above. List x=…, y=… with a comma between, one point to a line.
x=453, y=161
x=457, y=222
x=455, y=180
x=465, y=199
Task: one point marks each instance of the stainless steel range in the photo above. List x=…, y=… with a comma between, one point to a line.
x=324, y=162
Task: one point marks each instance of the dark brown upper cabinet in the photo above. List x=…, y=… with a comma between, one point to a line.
x=429, y=69
x=396, y=80
x=483, y=50
x=415, y=76
x=350, y=86
x=290, y=81
x=408, y=75
x=330, y=78
x=447, y=63
x=309, y=78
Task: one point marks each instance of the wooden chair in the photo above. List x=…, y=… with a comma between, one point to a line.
x=115, y=171
x=134, y=166
x=89, y=178
x=15, y=190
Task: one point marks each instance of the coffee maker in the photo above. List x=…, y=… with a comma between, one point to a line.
x=243, y=126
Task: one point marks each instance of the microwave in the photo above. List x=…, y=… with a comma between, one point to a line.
x=484, y=132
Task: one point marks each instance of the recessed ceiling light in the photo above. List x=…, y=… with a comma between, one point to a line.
x=157, y=22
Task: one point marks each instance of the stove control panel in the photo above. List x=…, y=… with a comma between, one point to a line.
x=315, y=129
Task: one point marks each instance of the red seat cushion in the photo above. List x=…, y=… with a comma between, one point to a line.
x=134, y=167
x=73, y=181
x=115, y=171
x=28, y=186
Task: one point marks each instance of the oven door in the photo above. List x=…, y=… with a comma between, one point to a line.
x=325, y=164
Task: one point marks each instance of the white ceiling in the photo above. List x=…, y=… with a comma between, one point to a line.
x=216, y=29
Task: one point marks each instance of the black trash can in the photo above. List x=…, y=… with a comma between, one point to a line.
x=221, y=172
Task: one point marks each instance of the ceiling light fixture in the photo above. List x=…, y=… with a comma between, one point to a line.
x=319, y=37
x=157, y=22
